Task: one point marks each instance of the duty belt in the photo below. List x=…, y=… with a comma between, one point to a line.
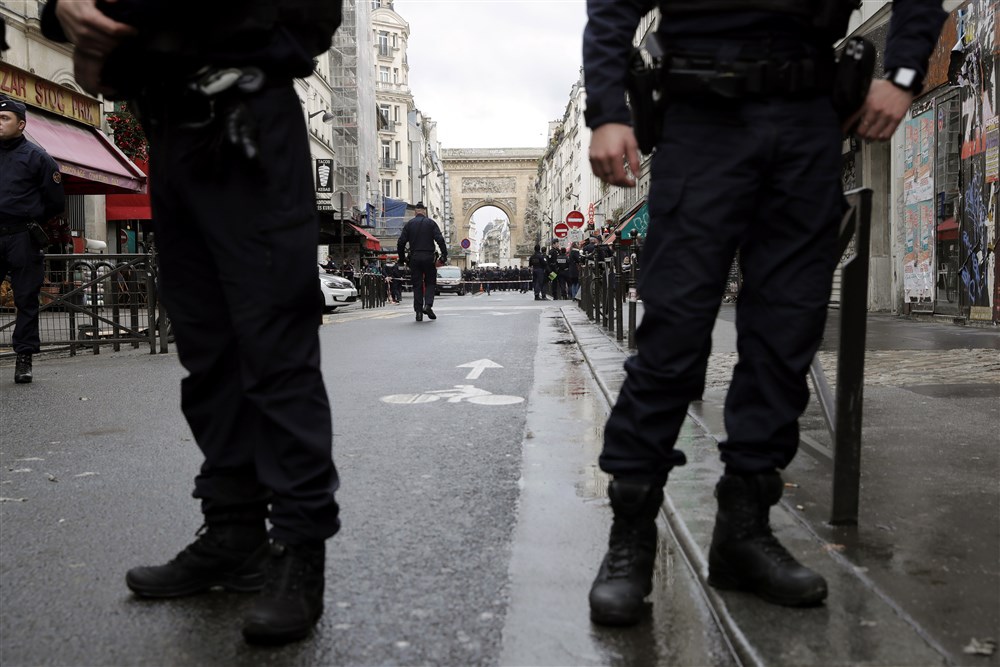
x=741, y=78
x=8, y=228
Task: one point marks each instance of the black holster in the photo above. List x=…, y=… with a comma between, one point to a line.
x=644, y=84
x=853, y=77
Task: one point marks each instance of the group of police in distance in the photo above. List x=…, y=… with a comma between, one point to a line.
x=747, y=138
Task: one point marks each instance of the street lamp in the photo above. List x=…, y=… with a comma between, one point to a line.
x=327, y=116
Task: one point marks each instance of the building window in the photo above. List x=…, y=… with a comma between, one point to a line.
x=397, y=150
x=384, y=74
x=399, y=188
x=383, y=44
x=395, y=75
x=386, y=187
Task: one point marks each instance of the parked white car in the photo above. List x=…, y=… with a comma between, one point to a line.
x=338, y=292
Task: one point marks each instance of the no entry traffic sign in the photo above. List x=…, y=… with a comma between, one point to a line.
x=575, y=219
x=561, y=230
x=466, y=243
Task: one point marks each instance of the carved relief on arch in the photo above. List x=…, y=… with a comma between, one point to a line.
x=488, y=185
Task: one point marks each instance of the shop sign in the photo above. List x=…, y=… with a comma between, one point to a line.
x=324, y=175
x=37, y=92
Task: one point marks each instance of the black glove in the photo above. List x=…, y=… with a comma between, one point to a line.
x=444, y=259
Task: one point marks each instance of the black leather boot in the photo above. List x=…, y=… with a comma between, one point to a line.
x=626, y=574
x=745, y=554
x=292, y=600
x=22, y=369
x=229, y=552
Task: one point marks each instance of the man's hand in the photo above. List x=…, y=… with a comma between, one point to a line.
x=884, y=108
x=95, y=37
x=612, y=147
x=89, y=29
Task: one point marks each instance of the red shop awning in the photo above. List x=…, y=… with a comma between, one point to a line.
x=947, y=230
x=89, y=162
x=370, y=242
x=130, y=207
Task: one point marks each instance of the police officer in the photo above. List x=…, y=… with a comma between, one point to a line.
x=395, y=274
x=237, y=232
x=748, y=113
x=538, y=263
x=421, y=233
x=30, y=192
x=556, y=263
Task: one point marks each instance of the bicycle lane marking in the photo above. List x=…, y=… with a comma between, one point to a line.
x=460, y=392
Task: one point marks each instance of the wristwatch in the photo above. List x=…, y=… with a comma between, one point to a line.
x=903, y=77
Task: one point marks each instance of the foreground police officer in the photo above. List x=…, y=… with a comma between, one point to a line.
x=30, y=192
x=237, y=231
x=749, y=159
x=421, y=233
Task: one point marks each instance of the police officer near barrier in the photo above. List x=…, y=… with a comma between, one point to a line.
x=538, y=263
x=748, y=158
x=30, y=192
x=237, y=231
x=421, y=233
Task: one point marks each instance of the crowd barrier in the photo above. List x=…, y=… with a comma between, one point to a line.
x=90, y=301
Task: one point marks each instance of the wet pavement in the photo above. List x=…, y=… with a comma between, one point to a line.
x=917, y=582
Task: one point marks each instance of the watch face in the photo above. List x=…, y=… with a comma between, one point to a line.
x=904, y=76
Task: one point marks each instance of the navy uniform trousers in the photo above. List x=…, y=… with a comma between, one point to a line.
x=26, y=265
x=238, y=276
x=423, y=273
x=763, y=177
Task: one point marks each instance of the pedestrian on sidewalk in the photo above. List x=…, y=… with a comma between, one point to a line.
x=236, y=228
x=31, y=192
x=421, y=233
x=748, y=112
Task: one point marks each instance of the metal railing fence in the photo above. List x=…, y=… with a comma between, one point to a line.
x=92, y=301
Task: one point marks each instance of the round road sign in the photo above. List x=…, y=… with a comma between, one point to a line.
x=575, y=219
x=561, y=230
x=466, y=243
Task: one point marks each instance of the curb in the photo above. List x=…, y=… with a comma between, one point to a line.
x=858, y=624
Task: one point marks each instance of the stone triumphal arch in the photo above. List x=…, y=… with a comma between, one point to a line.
x=500, y=177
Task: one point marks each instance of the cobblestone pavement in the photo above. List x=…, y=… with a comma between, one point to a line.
x=892, y=368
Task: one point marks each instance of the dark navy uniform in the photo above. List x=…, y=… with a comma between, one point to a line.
x=422, y=233
x=237, y=237
x=748, y=159
x=30, y=190
x=237, y=231
x=538, y=265
x=759, y=172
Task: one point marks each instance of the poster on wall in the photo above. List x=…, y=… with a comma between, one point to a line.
x=992, y=150
x=918, y=211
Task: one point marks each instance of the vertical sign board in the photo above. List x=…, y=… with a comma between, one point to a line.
x=324, y=175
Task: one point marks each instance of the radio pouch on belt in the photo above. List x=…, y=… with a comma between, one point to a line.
x=645, y=94
x=853, y=77
x=39, y=238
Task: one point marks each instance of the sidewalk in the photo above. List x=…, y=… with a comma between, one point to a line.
x=918, y=580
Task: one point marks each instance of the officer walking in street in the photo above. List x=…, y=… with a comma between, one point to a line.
x=748, y=88
x=538, y=263
x=237, y=231
x=31, y=192
x=421, y=233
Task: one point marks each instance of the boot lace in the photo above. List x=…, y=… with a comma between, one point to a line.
x=623, y=551
x=770, y=545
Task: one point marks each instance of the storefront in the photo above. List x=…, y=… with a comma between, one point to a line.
x=67, y=125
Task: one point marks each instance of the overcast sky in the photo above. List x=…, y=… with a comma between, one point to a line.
x=493, y=73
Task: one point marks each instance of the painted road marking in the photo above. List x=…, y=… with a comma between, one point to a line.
x=461, y=392
x=478, y=367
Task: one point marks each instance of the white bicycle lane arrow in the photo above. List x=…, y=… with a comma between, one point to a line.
x=478, y=367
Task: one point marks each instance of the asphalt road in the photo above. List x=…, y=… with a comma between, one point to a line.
x=473, y=515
